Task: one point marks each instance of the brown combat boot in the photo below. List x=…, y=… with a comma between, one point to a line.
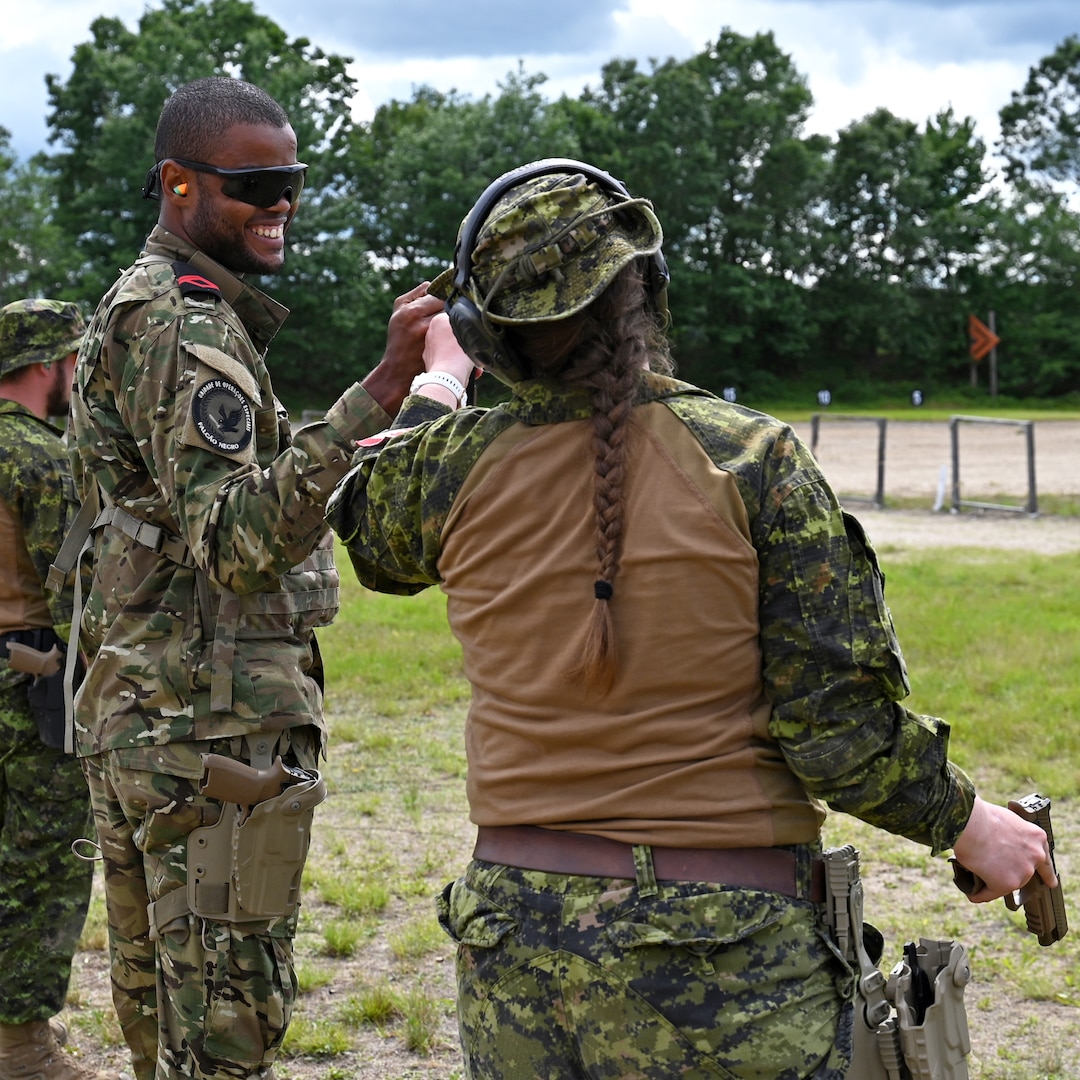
x=31, y=1051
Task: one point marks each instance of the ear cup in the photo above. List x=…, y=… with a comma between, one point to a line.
x=657, y=278
x=482, y=345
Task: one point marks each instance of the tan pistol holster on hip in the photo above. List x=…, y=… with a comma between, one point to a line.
x=913, y=1025
x=247, y=867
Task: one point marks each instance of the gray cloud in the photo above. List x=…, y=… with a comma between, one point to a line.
x=953, y=29
x=417, y=29
x=405, y=43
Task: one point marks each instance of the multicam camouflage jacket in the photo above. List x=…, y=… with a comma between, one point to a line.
x=37, y=505
x=209, y=582
x=831, y=664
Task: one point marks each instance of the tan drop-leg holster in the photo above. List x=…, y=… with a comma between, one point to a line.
x=247, y=867
x=913, y=1025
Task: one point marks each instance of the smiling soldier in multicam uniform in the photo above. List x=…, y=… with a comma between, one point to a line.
x=212, y=567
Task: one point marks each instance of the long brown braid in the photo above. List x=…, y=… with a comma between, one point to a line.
x=604, y=349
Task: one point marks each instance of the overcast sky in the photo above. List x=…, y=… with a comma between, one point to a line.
x=914, y=57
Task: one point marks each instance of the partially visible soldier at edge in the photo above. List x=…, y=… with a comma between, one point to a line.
x=44, y=805
x=212, y=567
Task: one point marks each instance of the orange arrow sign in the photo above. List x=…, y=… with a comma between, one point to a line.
x=983, y=339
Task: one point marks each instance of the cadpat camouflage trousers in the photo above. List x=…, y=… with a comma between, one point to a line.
x=564, y=977
x=206, y=1000
x=44, y=888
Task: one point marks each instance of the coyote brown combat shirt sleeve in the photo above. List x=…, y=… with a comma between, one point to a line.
x=37, y=504
x=830, y=663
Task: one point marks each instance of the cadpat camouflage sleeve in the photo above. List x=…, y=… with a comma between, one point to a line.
x=835, y=673
x=391, y=507
x=55, y=507
x=36, y=484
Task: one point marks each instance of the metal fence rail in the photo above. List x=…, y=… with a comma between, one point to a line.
x=1031, y=507
x=878, y=498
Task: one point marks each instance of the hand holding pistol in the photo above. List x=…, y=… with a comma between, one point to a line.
x=1044, y=906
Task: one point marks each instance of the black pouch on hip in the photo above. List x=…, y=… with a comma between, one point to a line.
x=46, y=697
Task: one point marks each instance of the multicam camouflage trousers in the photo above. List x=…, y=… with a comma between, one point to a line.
x=44, y=888
x=564, y=976
x=206, y=1000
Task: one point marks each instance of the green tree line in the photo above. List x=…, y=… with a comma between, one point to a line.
x=849, y=261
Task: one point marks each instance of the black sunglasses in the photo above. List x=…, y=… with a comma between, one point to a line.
x=256, y=187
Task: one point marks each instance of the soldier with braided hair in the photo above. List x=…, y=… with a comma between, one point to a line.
x=679, y=652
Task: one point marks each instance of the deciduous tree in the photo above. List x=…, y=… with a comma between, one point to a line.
x=31, y=245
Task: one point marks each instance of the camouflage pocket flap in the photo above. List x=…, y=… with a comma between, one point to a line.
x=700, y=922
x=471, y=918
x=287, y=603
x=228, y=366
x=873, y=638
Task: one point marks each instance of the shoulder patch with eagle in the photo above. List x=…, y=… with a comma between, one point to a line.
x=222, y=415
x=222, y=396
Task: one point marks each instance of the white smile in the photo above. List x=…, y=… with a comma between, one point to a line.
x=269, y=232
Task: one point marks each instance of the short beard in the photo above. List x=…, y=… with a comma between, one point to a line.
x=230, y=252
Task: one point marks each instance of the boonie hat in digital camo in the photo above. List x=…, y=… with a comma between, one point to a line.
x=38, y=332
x=550, y=246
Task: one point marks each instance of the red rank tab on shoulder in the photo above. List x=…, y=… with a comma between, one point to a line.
x=192, y=282
x=197, y=282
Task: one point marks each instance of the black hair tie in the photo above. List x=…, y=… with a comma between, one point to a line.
x=602, y=590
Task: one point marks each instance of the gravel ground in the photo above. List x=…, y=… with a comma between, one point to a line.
x=993, y=467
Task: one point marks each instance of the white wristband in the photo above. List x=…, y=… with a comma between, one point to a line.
x=441, y=378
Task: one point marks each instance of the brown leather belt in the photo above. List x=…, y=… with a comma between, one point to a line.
x=529, y=847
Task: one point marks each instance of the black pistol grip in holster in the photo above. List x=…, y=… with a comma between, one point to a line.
x=927, y=990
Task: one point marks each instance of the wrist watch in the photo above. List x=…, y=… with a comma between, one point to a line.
x=440, y=378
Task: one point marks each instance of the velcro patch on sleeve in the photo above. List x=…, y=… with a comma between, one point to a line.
x=222, y=416
x=226, y=365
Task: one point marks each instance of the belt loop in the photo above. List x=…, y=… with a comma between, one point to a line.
x=802, y=872
x=259, y=748
x=805, y=857
x=644, y=870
